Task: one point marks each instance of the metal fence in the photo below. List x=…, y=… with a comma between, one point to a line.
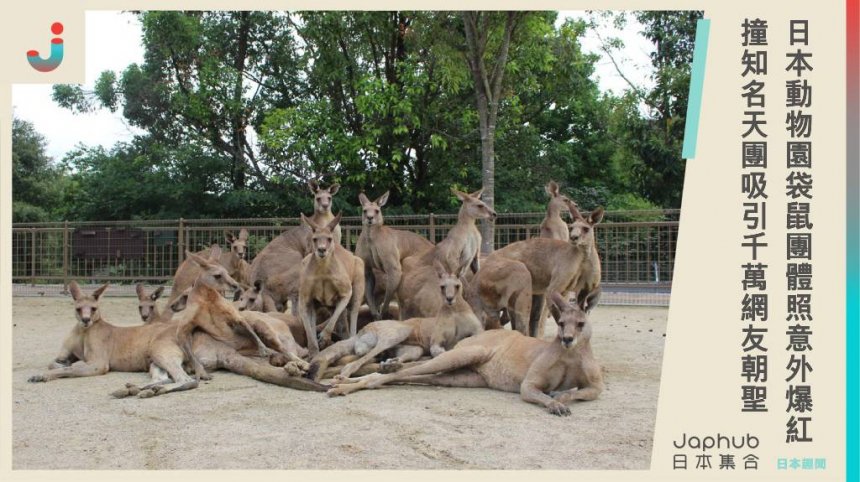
x=637, y=248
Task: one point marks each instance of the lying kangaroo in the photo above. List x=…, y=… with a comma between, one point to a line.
x=209, y=312
x=412, y=338
x=278, y=265
x=196, y=266
x=459, y=249
x=549, y=373
x=553, y=226
x=587, y=285
x=95, y=347
x=502, y=284
x=330, y=276
x=383, y=248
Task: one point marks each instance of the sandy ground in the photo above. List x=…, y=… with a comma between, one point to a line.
x=235, y=422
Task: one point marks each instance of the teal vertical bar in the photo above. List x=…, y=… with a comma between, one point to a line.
x=697, y=79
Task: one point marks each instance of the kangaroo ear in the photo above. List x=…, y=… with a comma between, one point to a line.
x=74, y=290
x=552, y=189
x=243, y=234
x=138, y=288
x=157, y=293
x=237, y=294
x=363, y=199
x=258, y=285
x=197, y=259
x=307, y=222
x=214, y=253
x=100, y=290
x=460, y=194
x=574, y=211
x=229, y=237
x=382, y=199
x=334, y=222
x=333, y=189
x=439, y=268
x=477, y=194
x=559, y=302
x=596, y=216
x=313, y=186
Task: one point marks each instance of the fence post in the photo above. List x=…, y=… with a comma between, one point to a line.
x=33, y=259
x=432, y=228
x=181, y=242
x=65, y=256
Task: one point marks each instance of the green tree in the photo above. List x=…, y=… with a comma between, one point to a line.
x=37, y=183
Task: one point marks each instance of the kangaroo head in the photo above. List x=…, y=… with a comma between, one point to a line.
x=146, y=302
x=371, y=212
x=322, y=237
x=582, y=228
x=239, y=246
x=557, y=201
x=87, y=306
x=573, y=325
x=450, y=286
x=212, y=272
x=322, y=197
x=473, y=206
x=251, y=299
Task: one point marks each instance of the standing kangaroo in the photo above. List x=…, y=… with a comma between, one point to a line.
x=587, y=286
x=458, y=250
x=549, y=373
x=412, y=338
x=95, y=347
x=383, y=248
x=278, y=265
x=330, y=276
x=553, y=226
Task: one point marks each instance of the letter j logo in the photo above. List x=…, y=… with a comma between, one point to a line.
x=53, y=60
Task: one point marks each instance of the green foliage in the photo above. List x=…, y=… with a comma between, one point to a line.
x=37, y=184
x=240, y=109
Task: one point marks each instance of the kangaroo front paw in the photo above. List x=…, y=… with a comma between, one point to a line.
x=294, y=370
x=558, y=408
x=436, y=350
x=37, y=379
x=390, y=366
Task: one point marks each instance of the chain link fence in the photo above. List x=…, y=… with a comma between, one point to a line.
x=637, y=249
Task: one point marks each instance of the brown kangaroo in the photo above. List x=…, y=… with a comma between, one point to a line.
x=278, y=265
x=147, y=303
x=330, y=276
x=383, y=248
x=549, y=373
x=412, y=338
x=553, y=226
x=459, y=249
x=587, y=286
x=197, y=266
x=502, y=284
x=95, y=347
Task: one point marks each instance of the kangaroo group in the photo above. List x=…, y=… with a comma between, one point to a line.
x=306, y=313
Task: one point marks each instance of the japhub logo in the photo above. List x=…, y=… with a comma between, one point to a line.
x=56, y=56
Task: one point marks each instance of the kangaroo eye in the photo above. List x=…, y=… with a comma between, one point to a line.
x=217, y=276
x=581, y=324
x=95, y=308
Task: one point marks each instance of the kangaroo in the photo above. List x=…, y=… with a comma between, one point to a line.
x=502, y=284
x=554, y=266
x=459, y=249
x=95, y=347
x=553, y=226
x=383, y=248
x=549, y=373
x=278, y=265
x=330, y=276
x=587, y=285
x=146, y=303
x=412, y=338
x=228, y=350
x=195, y=266
x=209, y=312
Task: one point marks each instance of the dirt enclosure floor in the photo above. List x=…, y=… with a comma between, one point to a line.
x=233, y=422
